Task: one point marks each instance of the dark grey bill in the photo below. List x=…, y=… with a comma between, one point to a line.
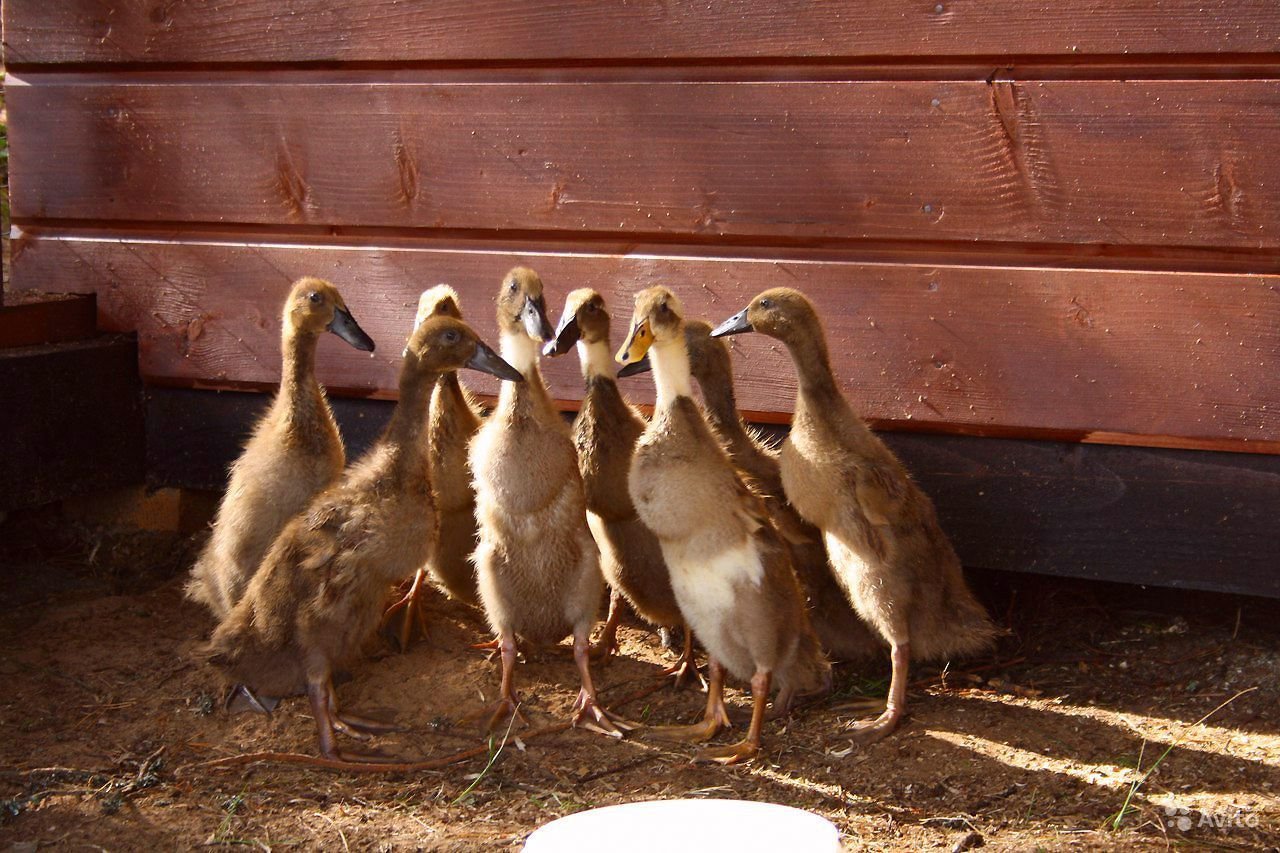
x=346, y=327
x=486, y=360
x=735, y=325
x=567, y=335
x=534, y=317
x=635, y=367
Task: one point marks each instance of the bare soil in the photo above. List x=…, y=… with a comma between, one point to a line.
x=107, y=724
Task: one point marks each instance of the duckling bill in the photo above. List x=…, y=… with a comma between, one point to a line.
x=318, y=595
x=886, y=547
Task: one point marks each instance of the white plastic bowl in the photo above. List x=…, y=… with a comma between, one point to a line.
x=670, y=826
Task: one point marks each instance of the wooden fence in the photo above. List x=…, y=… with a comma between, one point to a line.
x=1051, y=222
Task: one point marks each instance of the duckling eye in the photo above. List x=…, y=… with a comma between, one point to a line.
x=451, y=336
x=766, y=303
x=664, y=308
x=512, y=287
x=316, y=297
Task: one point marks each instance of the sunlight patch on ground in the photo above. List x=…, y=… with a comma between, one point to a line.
x=1102, y=775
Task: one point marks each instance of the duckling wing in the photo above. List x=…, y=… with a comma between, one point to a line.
x=881, y=493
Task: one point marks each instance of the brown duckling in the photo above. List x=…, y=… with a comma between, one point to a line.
x=841, y=631
x=318, y=595
x=454, y=420
x=294, y=452
x=537, y=565
x=730, y=569
x=882, y=533
x=605, y=432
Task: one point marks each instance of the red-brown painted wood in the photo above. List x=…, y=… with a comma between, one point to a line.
x=1163, y=359
x=1169, y=163
x=72, y=31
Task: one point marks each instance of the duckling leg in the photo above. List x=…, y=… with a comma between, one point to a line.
x=411, y=604
x=607, y=646
x=588, y=710
x=870, y=731
x=686, y=668
x=508, y=705
x=749, y=746
x=715, y=718
x=320, y=692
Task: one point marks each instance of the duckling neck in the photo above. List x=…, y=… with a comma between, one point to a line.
x=813, y=365
x=408, y=421
x=722, y=406
x=671, y=374
x=521, y=352
x=595, y=359
x=298, y=368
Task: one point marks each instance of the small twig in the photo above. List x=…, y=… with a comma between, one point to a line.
x=925, y=682
x=617, y=768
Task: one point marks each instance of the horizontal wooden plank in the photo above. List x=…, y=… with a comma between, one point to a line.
x=1158, y=163
x=1087, y=355
x=1194, y=520
x=70, y=31
x=73, y=420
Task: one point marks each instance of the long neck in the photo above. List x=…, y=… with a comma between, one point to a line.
x=722, y=413
x=520, y=351
x=404, y=432
x=595, y=359
x=813, y=365
x=671, y=374
x=297, y=369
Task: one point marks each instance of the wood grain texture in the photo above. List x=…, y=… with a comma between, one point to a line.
x=1124, y=357
x=1137, y=515
x=70, y=31
x=1163, y=163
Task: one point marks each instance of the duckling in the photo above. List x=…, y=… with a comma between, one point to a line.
x=454, y=420
x=605, y=432
x=318, y=595
x=295, y=451
x=887, y=549
x=841, y=632
x=537, y=565
x=730, y=569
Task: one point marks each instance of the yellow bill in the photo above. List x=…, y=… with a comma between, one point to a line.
x=638, y=343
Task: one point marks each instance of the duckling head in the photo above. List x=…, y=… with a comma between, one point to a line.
x=442, y=344
x=584, y=320
x=779, y=312
x=522, y=310
x=316, y=306
x=441, y=300
x=658, y=318
x=708, y=357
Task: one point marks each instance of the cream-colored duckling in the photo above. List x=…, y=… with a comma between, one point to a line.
x=730, y=568
x=294, y=452
x=537, y=565
x=841, y=631
x=318, y=595
x=882, y=534
x=605, y=432
x=454, y=420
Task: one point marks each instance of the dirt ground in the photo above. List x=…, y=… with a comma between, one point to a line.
x=107, y=725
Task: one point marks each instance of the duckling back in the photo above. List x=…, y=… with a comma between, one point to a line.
x=453, y=424
x=294, y=453
x=605, y=433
